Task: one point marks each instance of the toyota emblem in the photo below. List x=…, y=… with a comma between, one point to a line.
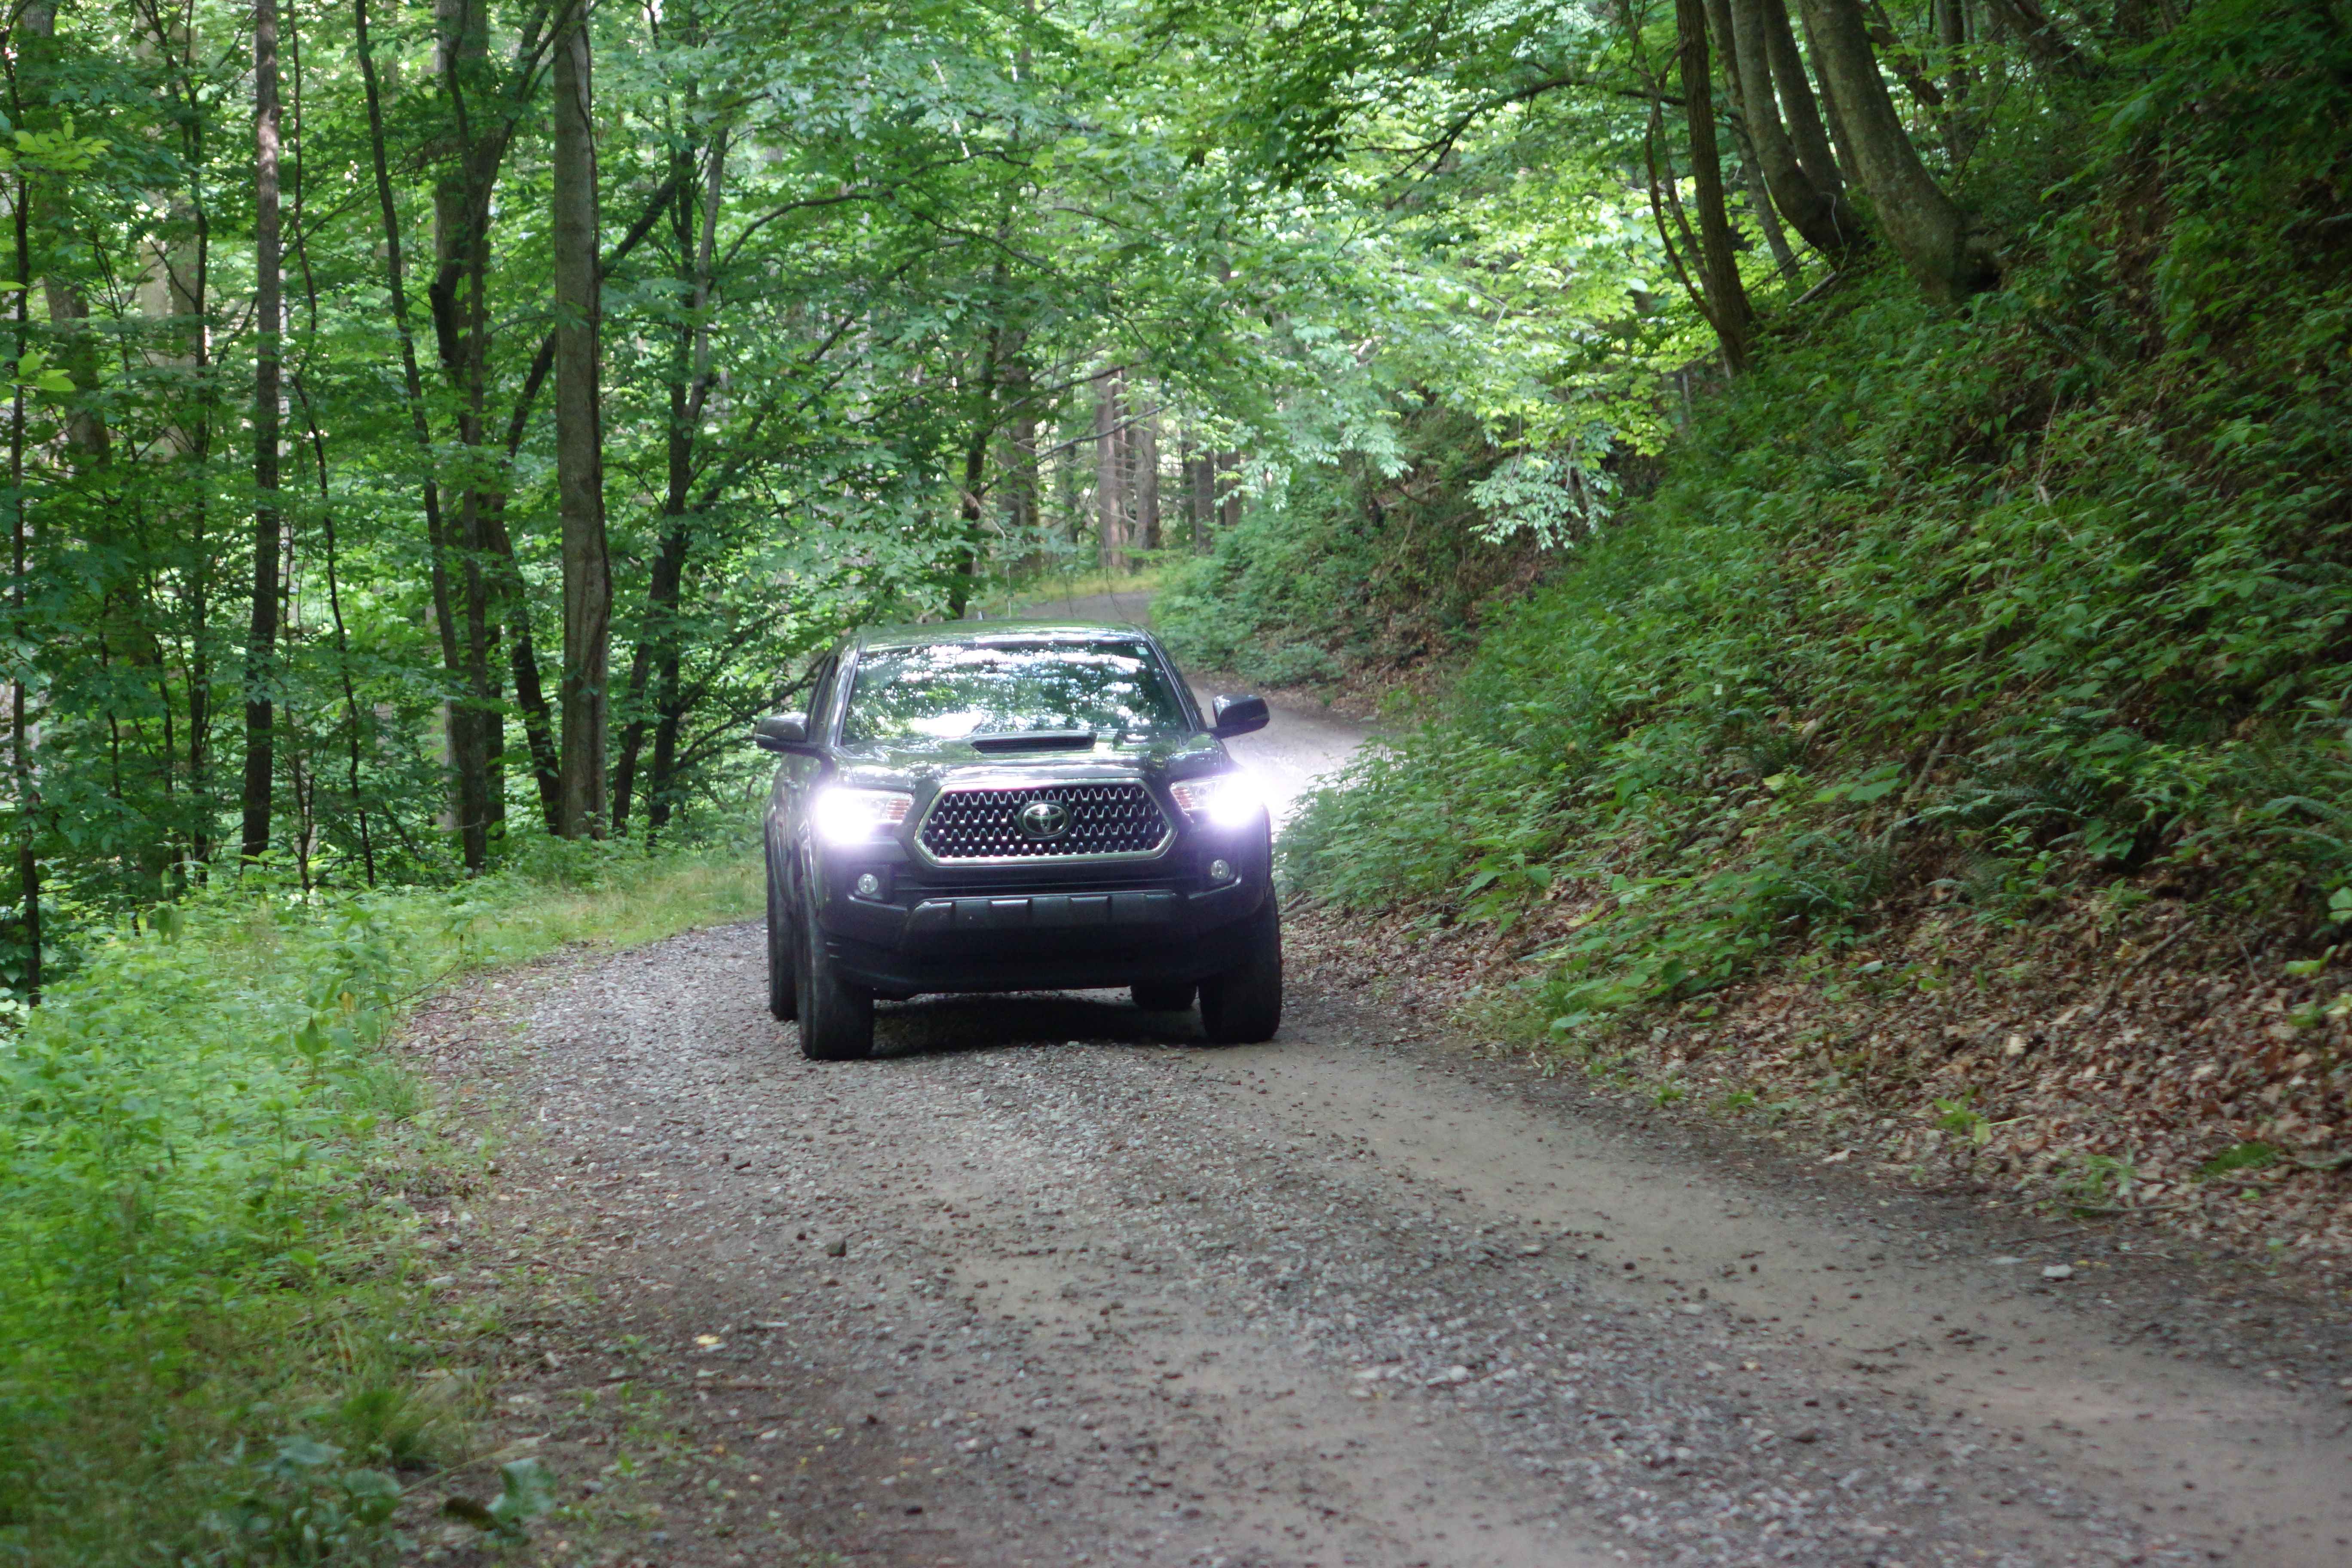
x=1045, y=819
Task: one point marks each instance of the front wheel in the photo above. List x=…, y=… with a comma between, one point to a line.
x=1243, y=1005
x=836, y=1017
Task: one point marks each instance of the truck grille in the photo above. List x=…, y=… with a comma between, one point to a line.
x=985, y=824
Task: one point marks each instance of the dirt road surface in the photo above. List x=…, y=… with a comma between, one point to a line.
x=1051, y=1282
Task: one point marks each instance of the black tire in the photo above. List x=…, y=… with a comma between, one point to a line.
x=1242, y=1006
x=1165, y=996
x=781, y=1005
x=836, y=1017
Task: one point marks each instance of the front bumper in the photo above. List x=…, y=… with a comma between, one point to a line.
x=1024, y=928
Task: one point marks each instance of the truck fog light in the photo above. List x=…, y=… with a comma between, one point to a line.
x=869, y=886
x=1220, y=872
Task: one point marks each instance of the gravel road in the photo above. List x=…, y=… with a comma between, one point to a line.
x=1051, y=1282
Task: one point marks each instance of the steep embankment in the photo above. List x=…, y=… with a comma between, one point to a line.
x=1950, y=755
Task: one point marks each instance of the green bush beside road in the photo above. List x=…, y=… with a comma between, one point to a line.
x=211, y=1322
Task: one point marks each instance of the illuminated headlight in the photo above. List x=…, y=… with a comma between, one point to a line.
x=844, y=815
x=1224, y=800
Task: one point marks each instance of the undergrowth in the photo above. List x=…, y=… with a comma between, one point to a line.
x=210, y=1329
x=1350, y=571
x=2045, y=597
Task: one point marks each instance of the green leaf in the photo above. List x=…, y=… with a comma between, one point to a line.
x=529, y=1491
x=307, y=1452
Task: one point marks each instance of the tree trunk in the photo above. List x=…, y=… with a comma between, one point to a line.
x=413, y=385
x=580, y=443
x=1147, y=485
x=1758, y=201
x=662, y=646
x=1229, y=510
x=1021, y=483
x=460, y=295
x=175, y=288
x=1726, y=297
x=20, y=738
x=669, y=708
x=261, y=640
x=1722, y=32
x=1110, y=507
x=522, y=661
x=1840, y=138
x=1200, y=494
x=1926, y=228
x=1961, y=122
x=633, y=732
x=1824, y=218
x=1807, y=139
x=966, y=572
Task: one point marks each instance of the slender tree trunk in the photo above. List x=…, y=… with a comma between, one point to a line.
x=28, y=862
x=1110, y=506
x=1807, y=138
x=1926, y=228
x=1722, y=33
x=177, y=288
x=1147, y=488
x=1962, y=124
x=523, y=660
x=1726, y=297
x=1823, y=217
x=1840, y=135
x=969, y=513
x=459, y=294
x=660, y=656
x=1757, y=200
x=1229, y=510
x=261, y=640
x=660, y=651
x=1200, y=494
x=413, y=385
x=583, y=807
x=633, y=731
x=318, y=442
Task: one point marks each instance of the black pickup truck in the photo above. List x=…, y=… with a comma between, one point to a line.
x=1014, y=806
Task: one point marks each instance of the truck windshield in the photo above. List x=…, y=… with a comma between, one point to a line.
x=952, y=692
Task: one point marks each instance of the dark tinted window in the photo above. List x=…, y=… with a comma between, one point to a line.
x=950, y=691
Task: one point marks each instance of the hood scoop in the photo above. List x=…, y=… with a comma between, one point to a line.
x=1034, y=741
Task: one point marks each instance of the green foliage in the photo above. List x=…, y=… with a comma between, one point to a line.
x=2047, y=593
x=211, y=1157
x=1349, y=565
x=2098, y=1180
x=2236, y=1157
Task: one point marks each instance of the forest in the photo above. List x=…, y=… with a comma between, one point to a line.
x=1783, y=469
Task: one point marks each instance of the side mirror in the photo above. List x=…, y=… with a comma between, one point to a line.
x=782, y=732
x=1239, y=716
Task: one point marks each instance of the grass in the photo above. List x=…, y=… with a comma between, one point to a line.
x=213, y=1324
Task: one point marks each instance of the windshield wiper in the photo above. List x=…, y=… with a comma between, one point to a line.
x=1035, y=740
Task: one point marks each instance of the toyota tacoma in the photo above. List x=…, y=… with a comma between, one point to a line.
x=1013, y=806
